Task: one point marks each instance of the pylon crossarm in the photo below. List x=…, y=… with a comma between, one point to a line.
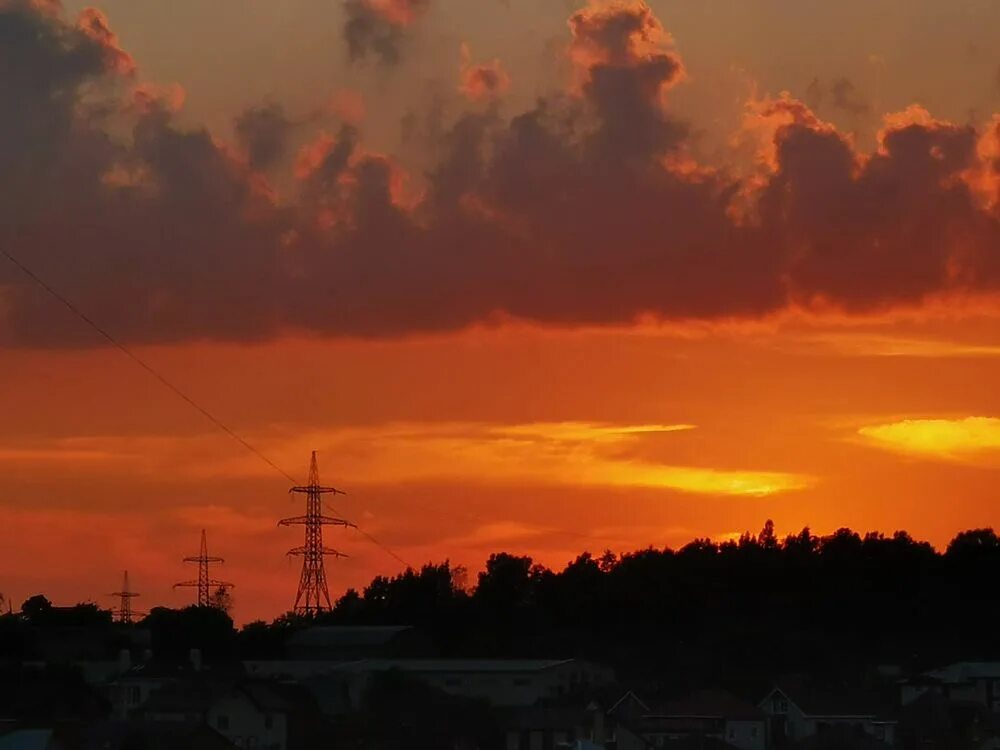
x=328, y=551
x=221, y=584
x=306, y=489
x=201, y=560
x=182, y=584
x=322, y=520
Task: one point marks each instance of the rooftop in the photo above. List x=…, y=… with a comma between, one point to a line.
x=708, y=704
x=347, y=636
x=451, y=665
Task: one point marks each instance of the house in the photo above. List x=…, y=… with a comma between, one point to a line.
x=149, y=735
x=30, y=739
x=251, y=716
x=130, y=690
x=935, y=722
x=967, y=681
x=246, y=716
x=841, y=737
x=797, y=710
x=705, y=717
x=500, y=682
x=342, y=643
x=566, y=726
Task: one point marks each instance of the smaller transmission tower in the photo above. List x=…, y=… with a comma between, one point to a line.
x=204, y=582
x=313, y=595
x=125, y=611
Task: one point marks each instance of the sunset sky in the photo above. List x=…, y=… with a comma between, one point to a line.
x=530, y=275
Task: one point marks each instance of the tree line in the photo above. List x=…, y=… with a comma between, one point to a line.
x=707, y=613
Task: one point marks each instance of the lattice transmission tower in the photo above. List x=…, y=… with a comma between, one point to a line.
x=125, y=612
x=204, y=582
x=313, y=595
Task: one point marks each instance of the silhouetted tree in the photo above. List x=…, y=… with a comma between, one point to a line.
x=175, y=632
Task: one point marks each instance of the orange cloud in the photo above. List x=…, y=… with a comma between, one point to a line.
x=349, y=106
x=484, y=81
x=559, y=453
x=968, y=438
x=94, y=24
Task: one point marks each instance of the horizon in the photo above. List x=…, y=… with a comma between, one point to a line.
x=459, y=572
x=527, y=276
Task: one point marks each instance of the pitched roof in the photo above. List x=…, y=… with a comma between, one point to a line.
x=819, y=700
x=964, y=671
x=697, y=742
x=162, y=735
x=450, y=665
x=841, y=737
x=198, y=696
x=327, y=636
x=718, y=704
x=26, y=739
x=264, y=697
x=542, y=717
x=187, y=697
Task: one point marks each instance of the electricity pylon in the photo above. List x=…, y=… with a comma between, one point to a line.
x=313, y=595
x=125, y=611
x=204, y=581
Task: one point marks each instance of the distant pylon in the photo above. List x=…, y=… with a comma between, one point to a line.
x=204, y=582
x=125, y=611
x=313, y=596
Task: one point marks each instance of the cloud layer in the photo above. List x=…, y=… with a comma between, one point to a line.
x=565, y=454
x=587, y=209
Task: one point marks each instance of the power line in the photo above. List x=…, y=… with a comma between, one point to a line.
x=144, y=365
x=388, y=550
x=169, y=385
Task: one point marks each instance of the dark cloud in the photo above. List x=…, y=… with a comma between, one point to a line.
x=845, y=96
x=264, y=133
x=378, y=28
x=585, y=209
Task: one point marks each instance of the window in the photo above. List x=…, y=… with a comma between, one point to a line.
x=222, y=722
x=779, y=704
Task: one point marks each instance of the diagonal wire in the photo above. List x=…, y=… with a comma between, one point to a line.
x=144, y=365
x=173, y=388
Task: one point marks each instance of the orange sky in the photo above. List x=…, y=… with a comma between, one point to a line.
x=640, y=397
x=456, y=446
